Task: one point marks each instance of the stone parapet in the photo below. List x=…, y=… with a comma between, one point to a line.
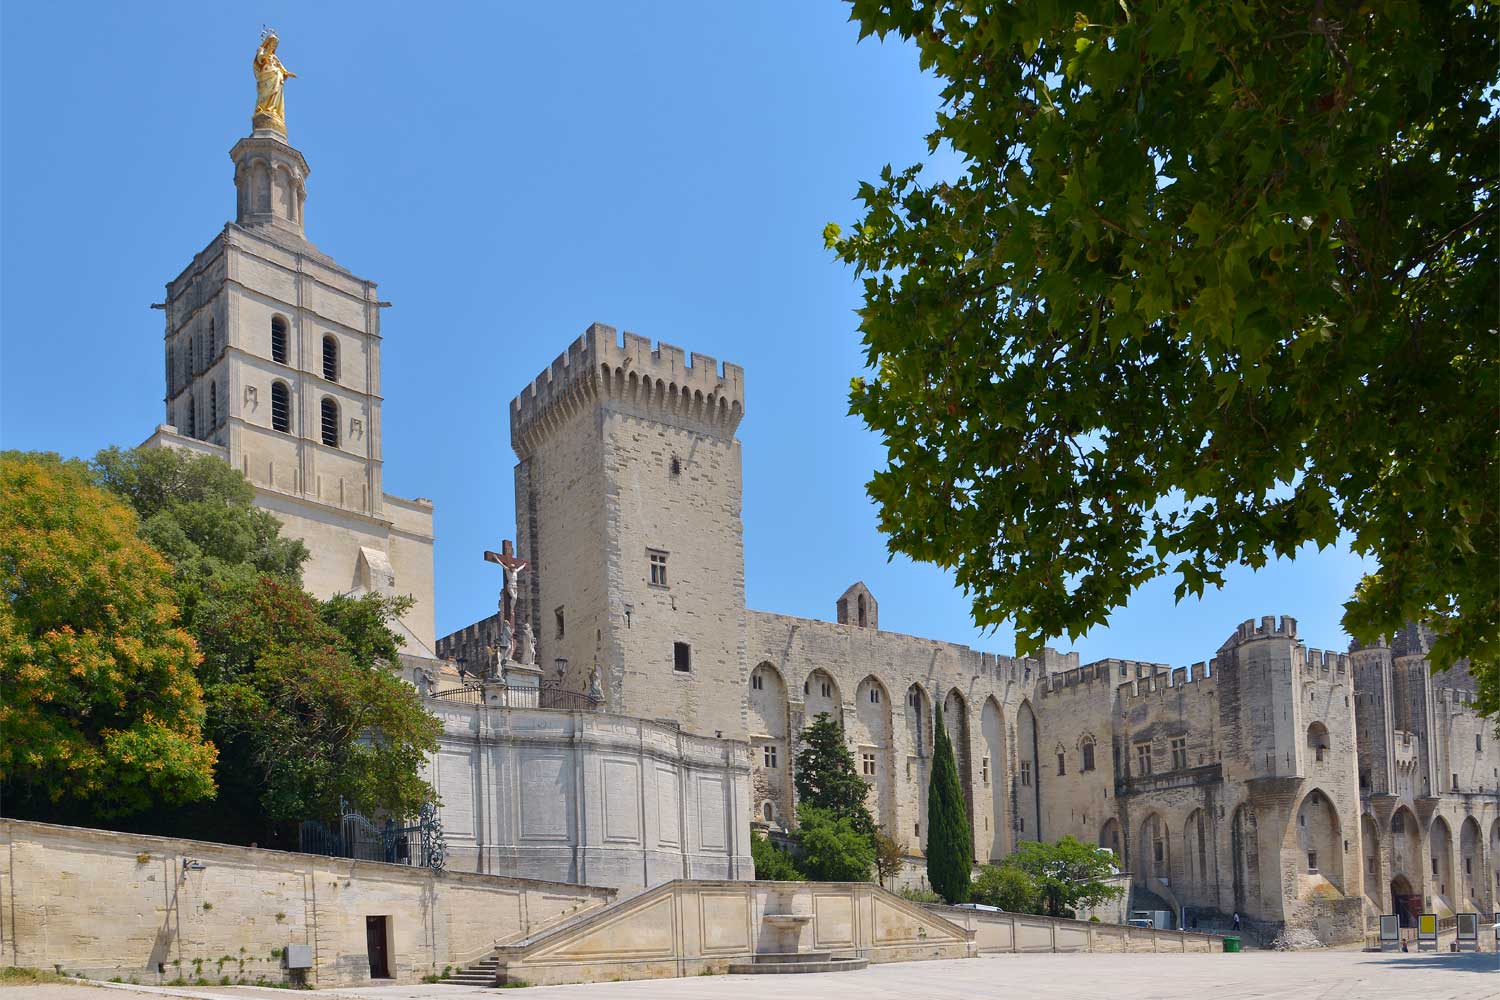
x=663, y=382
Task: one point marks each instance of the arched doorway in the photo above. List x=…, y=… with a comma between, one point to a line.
x=1404, y=902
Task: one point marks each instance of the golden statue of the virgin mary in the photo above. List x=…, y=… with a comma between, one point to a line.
x=270, y=82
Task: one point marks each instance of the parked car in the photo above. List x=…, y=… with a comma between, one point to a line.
x=979, y=906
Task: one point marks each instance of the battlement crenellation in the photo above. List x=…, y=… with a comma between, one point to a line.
x=662, y=378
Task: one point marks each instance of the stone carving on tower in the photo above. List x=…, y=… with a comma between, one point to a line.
x=270, y=85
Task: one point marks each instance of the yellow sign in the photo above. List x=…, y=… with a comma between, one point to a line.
x=1427, y=923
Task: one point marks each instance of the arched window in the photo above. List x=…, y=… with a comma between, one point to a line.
x=1317, y=740
x=330, y=422
x=331, y=358
x=213, y=405
x=281, y=408
x=192, y=418
x=278, y=340
x=767, y=811
x=1088, y=755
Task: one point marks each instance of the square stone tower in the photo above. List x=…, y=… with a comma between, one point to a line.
x=628, y=499
x=273, y=364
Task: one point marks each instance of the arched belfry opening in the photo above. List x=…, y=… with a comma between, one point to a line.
x=857, y=607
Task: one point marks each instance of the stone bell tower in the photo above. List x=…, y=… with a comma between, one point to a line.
x=273, y=363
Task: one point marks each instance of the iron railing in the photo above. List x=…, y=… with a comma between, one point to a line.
x=520, y=696
x=420, y=843
x=568, y=701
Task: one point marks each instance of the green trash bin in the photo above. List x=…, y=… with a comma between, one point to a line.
x=1231, y=944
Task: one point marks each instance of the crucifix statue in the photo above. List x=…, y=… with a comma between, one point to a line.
x=509, y=591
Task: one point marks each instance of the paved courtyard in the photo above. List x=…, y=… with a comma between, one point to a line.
x=1327, y=975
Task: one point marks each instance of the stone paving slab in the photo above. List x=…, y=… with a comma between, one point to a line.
x=1321, y=975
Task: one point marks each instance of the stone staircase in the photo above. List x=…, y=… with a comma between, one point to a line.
x=480, y=973
x=792, y=962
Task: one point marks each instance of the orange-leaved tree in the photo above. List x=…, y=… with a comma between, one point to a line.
x=100, y=711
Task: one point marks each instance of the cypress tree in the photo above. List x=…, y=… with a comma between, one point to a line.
x=949, y=854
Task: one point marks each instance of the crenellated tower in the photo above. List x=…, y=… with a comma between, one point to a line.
x=628, y=499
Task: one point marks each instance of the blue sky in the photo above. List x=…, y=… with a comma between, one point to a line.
x=509, y=175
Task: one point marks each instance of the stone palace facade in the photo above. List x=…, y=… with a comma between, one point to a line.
x=654, y=718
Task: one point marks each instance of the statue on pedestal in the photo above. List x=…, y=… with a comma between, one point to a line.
x=526, y=648
x=596, y=693
x=270, y=85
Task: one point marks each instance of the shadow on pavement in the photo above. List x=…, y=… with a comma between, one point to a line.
x=1469, y=961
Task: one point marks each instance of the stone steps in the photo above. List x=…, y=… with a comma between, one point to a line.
x=480, y=973
x=781, y=963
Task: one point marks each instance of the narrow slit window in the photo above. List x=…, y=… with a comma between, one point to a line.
x=281, y=408
x=213, y=405
x=330, y=416
x=331, y=358
x=278, y=340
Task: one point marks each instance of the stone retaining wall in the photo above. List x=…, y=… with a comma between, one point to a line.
x=155, y=909
x=1026, y=932
x=689, y=928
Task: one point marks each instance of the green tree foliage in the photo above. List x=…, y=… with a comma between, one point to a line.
x=305, y=708
x=100, y=710
x=834, y=848
x=198, y=512
x=1208, y=282
x=826, y=777
x=1007, y=887
x=1068, y=875
x=302, y=702
x=890, y=856
x=772, y=864
x=950, y=855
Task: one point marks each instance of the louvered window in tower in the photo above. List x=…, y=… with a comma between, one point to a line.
x=281, y=408
x=278, y=340
x=331, y=358
x=192, y=418
x=213, y=405
x=330, y=422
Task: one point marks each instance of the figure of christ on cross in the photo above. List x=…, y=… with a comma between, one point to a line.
x=512, y=568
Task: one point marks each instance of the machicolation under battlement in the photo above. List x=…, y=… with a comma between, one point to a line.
x=687, y=388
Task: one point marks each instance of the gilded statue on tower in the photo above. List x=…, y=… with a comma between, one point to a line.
x=270, y=83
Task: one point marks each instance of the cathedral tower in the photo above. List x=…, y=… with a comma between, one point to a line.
x=628, y=508
x=273, y=363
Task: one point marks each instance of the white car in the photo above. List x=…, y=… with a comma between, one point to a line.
x=987, y=908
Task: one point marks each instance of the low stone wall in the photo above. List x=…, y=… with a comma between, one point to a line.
x=1026, y=932
x=155, y=909
x=689, y=928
